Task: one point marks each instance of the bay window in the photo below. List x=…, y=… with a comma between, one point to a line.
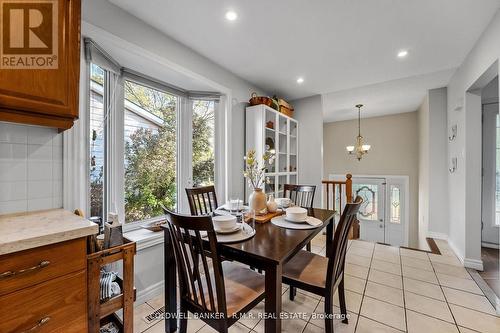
x=148, y=140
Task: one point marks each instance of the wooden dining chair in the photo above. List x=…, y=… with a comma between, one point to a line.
x=219, y=292
x=301, y=195
x=324, y=275
x=202, y=200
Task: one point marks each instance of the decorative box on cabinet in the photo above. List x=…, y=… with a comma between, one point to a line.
x=43, y=96
x=267, y=128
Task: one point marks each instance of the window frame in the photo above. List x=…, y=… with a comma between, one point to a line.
x=114, y=193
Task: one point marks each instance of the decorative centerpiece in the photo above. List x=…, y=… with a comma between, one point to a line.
x=255, y=175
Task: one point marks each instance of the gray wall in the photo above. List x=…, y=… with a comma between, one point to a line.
x=309, y=113
x=394, y=141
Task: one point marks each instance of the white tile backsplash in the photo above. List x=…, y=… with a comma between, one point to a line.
x=31, y=168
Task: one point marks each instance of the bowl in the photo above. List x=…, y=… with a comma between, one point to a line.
x=224, y=222
x=283, y=202
x=296, y=214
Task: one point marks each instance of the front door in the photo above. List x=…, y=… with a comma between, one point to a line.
x=382, y=215
x=371, y=213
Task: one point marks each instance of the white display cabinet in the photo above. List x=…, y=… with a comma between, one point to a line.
x=267, y=129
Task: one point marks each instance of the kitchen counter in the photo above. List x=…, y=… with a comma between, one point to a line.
x=24, y=231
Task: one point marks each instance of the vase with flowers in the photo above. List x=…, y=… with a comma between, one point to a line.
x=256, y=178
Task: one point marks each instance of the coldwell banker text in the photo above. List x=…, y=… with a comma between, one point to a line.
x=29, y=34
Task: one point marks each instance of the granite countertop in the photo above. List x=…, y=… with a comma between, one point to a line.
x=24, y=231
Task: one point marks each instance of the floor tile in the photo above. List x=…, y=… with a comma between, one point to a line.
x=423, y=288
x=475, y=320
x=287, y=325
x=469, y=300
x=356, y=270
x=395, y=259
x=428, y=306
x=419, y=274
x=361, y=251
x=236, y=328
x=366, y=325
x=386, y=266
x=252, y=317
x=384, y=293
x=387, y=279
x=449, y=260
x=383, y=312
x=319, y=321
x=358, y=260
x=452, y=270
x=301, y=304
x=417, y=263
x=355, y=284
x=194, y=325
x=465, y=330
x=140, y=312
x=414, y=254
x=458, y=283
x=419, y=323
x=352, y=299
x=386, y=249
x=157, y=302
x=362, y=244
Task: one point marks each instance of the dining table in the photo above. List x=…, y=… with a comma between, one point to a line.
x=268, y=250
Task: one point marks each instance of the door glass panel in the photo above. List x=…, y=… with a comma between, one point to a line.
x=97, y=142
x=203, y=142
x=395, y=202
x=369, y=208
x=150, y=151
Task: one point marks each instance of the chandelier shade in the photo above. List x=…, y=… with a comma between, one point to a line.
x=360, y=148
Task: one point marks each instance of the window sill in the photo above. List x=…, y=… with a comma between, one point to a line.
x=144, y=238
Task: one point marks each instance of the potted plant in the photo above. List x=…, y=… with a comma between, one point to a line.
x=255, y=175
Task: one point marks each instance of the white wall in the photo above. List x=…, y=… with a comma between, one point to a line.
x=30, y=168
x=461, y=202
x=423, y=172
x=309, y=113
x=394, y=152
x=123, y=25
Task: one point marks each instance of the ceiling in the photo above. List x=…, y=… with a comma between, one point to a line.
x=335, y=45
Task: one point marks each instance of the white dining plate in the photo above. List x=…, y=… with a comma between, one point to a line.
x=280, y=221
x=228, y=231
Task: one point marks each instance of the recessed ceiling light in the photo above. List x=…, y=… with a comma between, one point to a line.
x=231, y=16
x=300, y=80
x=402, y=53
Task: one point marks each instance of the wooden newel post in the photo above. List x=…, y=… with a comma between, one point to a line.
x=348, y=187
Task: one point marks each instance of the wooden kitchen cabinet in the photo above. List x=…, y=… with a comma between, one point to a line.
x=47, y=97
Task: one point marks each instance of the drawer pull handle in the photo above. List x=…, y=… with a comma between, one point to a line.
x=41, y=265
x=40, y=323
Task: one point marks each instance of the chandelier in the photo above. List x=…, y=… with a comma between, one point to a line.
x=360, y=148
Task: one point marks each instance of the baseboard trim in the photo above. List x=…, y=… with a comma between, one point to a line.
x=149, y=293
x=490, y=245
x=437, y=235
x=474, y=264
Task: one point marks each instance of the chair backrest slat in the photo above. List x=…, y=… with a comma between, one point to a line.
x=188, y=245
x=202, y=200
x=336, y=258
x=300, y=195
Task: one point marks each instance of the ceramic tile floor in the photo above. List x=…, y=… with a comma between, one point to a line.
x=388, y=290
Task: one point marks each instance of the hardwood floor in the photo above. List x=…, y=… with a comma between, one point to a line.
x=491, y=272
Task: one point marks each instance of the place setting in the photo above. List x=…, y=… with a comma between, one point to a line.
x=229, y=230
x=296, y=218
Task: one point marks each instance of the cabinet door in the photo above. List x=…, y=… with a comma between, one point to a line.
x=37, y=95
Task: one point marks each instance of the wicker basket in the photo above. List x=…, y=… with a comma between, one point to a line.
x=286, y=111
x=257, y=100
